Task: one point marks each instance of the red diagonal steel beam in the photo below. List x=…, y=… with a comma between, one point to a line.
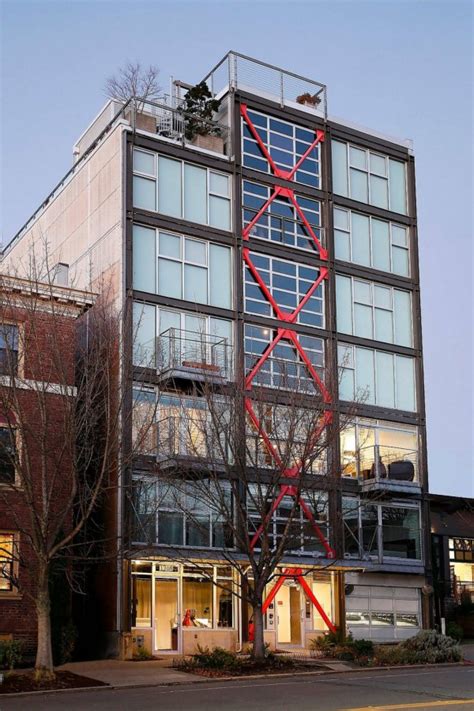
x=264, y=356
x=310, y=367
x=273, y=593
x=262, y=433
x=267, y=518
x=260, y=213
x=291, y=318
x=319, y=138
x=307, y=511
x=255, y=134
x=323, y=254
x=304, y=584
x=266, y=291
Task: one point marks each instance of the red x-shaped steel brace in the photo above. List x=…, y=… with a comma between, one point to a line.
x=297, y=574
x=285, y=333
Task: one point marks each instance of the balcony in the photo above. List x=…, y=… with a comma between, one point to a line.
x=189, y=439
x=390, y=469
x=193, y=356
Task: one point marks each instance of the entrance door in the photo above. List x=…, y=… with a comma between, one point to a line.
x=288, y=611
x=166, y=615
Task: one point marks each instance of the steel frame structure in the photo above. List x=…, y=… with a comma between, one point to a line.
x=288, y=334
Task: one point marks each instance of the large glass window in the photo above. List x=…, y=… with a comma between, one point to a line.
x=164, y=339
x=281, y=223
x=376, y=378
x=373, y=311
x=401, y=532
x=181, y=189
x=186, y=268
x=8, y=349
x=371, y=242
x=186, y=515
x=371, y=447
x=286, y=144
x=284, y=368
x=369, y=177
x=288, y=283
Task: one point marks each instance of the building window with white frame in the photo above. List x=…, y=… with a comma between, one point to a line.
x=370, y=177
x=286, y=143
x=184, y=190
x=371, y=242
x=182, y=267
x=288, y=283
x=281, y=223
x=9, y=344
x=376, y=377
x=374, y=311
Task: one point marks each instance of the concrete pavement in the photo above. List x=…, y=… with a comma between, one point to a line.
x=117, y=673
x=434, y=689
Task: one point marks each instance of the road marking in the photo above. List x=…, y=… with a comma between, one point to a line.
x=418, y=705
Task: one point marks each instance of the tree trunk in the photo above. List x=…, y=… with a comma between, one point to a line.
x=258, y=640
x=44, y=653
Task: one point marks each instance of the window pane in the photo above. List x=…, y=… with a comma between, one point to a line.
x=195, y=283
x=357, y=158
x=344, y=304
x=169, y=278
x=170, y=245
x=397, y=186
x=378, y=164
x=342, y=245
x=382, y=297
x=385, y=382
x=363, y=321
x=378, y=191
x=362, y=292
x=360, y=239
x=383, y=326
x=405, y=374
x=144, y=162
x=339, y=168
x=144, y=327
x=144, y=259
x=399, y=236
x=197, y=596
x=400, y=261
x=359, y=188
x=167, y=320
x=380, y=245
x=169, y=186
x=401, y=532
x=220, y=276
x=144, y=193
x=170, y=528
x=195, y=251
x=219, y=184
x=219, y=212
x=195, y=193
x=341, y=219
x=402, y=311
x=365, y=375
x=346, y=385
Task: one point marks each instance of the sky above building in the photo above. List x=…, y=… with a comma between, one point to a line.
x=403, y=68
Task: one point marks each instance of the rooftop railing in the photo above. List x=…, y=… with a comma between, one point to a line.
x=238, y=71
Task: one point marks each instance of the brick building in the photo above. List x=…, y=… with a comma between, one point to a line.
x=37, y=374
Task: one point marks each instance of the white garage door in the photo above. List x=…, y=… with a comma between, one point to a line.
x=383, y=613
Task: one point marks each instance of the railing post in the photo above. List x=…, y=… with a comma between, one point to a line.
x=377, y=462
x=282, y=90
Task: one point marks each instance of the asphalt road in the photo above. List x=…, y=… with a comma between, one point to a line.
x=449, y=688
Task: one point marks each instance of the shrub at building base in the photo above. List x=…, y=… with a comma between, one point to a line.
x=11, y=654
x=346, y=649
x=427, y=647
x=219, y=661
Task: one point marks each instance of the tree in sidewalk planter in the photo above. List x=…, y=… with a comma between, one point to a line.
x=243, y=450
x=199, y=109
x=62, y=408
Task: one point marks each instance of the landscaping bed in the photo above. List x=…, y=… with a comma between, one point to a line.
x=17, y=682
x=220, y=662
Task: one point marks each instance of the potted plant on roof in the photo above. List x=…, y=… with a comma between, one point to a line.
x=307, y=99
x=199, y=109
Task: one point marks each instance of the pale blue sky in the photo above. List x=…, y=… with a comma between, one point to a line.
x=403, y=68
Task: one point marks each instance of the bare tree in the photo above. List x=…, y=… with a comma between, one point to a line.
x=134, y=80
x=63, y=408
x=254, y=460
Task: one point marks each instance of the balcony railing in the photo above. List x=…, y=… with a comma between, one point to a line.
x=237, y=71
x=258, y=455
x=382, y=466
x=382, y=543
x=190, y=436
x=194, y=356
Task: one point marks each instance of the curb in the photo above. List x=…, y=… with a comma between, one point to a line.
x=203, y=680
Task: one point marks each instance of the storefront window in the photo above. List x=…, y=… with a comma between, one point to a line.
x=197, y=602
x=141, y=601
x=224, y=603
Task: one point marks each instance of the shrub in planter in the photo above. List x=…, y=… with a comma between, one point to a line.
x=362, y=647
x=217, y=658
x=427, y=647
x=142, y=655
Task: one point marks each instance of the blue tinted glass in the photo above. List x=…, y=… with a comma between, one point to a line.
x=303, y=243
x=256, y=163
x=252, y=291
x=308, y=204
x=255, y=188
x=285, y=268
x=252, y=147
x=304, y=135
x=307, y=179
x=253, y=201
x=281, y=127
x=280, y=208
x=311, y=319
x=280, y=157
x=311, y=217
x=278, y=141
x=261, y=132
x=306, y=273
x=305, y=286
x=276, y=236
x=258, y=307
x=281, y=282
x=257, y=119
x=259, y=261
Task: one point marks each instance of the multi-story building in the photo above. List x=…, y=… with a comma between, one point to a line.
x=280, y=235
x=37, y=332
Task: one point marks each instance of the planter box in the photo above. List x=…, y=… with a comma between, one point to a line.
x=144, y=122
x=211, y=143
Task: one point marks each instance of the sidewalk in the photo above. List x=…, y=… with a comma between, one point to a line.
x=117, y=673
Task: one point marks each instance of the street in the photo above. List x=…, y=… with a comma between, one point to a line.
x=441, y=688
